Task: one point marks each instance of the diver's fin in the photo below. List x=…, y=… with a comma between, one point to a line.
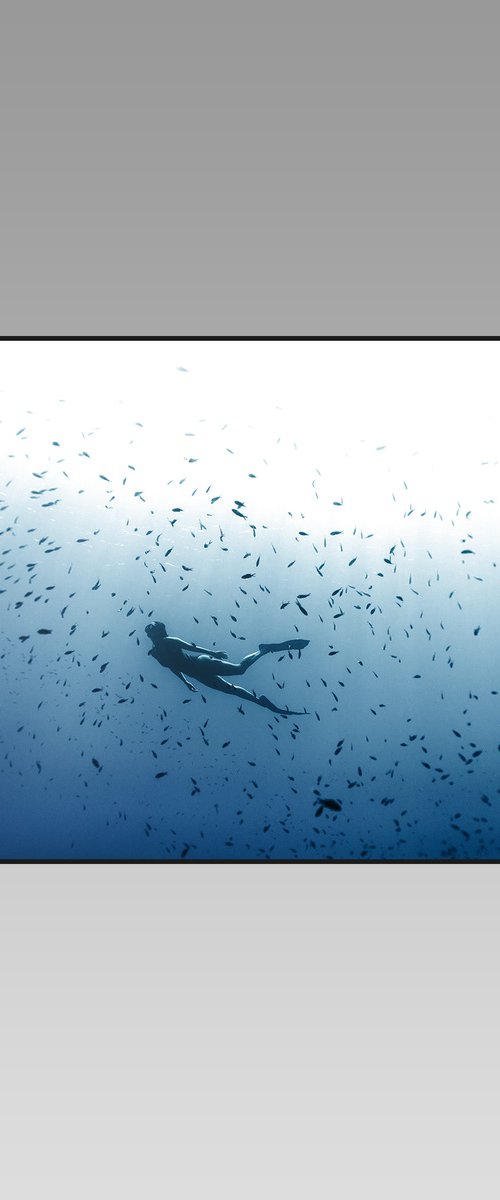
x=293, y=644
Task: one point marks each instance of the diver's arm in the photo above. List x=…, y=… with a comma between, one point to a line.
x=187, y=645
x=198, y=649
x=212, y=653
x=186, y=681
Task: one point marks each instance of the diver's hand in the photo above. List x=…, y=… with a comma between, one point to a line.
x=218, y=654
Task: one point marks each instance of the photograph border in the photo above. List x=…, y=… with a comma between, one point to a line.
x=320, y=861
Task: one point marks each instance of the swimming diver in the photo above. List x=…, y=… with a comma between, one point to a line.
x=186, y=658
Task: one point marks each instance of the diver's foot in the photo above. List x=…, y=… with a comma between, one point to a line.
x=281, y=712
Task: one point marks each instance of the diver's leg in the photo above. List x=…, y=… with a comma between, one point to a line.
x=231, y=668
x=233, y=689
x=205, y=665
x=213, y=665
x=201, y=665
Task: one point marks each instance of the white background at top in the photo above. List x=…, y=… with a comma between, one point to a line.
x=433, y=405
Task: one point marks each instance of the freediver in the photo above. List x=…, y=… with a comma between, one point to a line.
x=186, y=658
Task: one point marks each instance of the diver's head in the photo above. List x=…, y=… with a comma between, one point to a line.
x=156, y=631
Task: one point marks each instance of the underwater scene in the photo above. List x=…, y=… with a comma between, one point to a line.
x=248, y=600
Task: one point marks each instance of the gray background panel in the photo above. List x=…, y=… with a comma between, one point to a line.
x=249, y=168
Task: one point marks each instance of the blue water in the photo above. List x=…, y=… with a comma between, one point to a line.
x=221, y=528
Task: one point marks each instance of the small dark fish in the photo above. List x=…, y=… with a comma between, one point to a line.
x=161, y=774
x=44, y=631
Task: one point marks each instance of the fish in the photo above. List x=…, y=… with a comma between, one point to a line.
x=332, y=805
